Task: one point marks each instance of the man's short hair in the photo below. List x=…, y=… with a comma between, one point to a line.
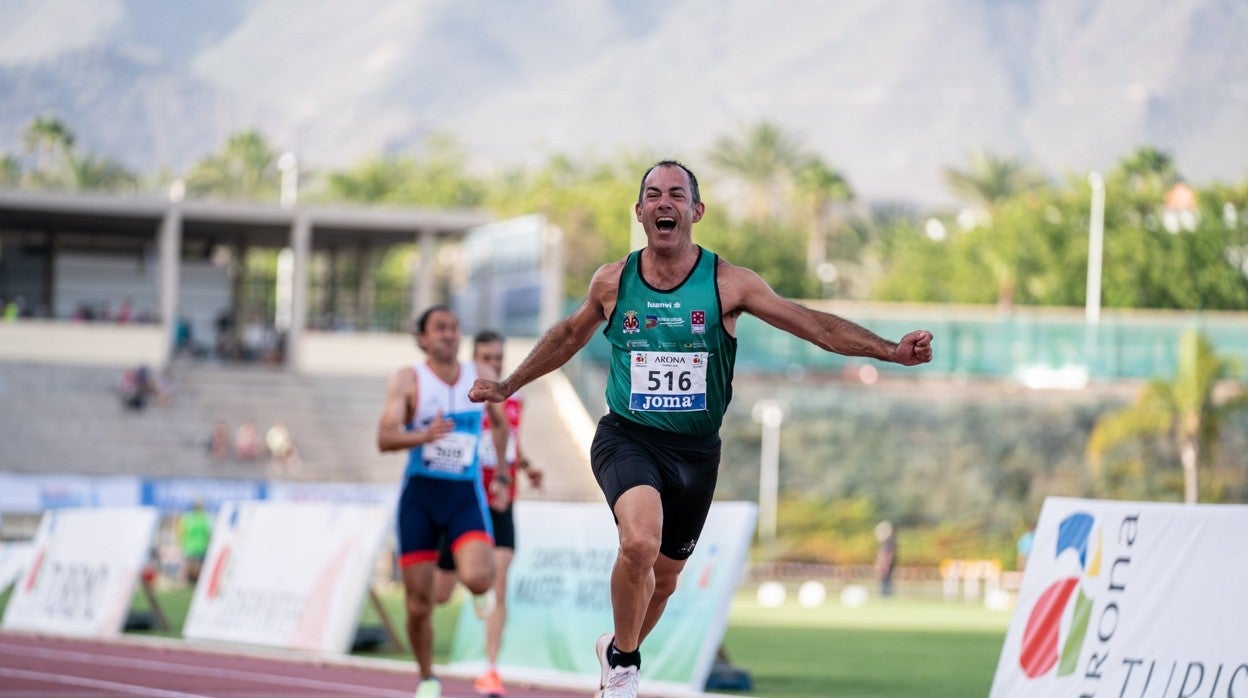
x=693, y=180
x=486, y=337
x=422, y=322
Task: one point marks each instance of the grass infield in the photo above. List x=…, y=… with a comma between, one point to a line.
x=887, y=648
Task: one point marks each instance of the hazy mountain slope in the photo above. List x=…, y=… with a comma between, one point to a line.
x=888, y=91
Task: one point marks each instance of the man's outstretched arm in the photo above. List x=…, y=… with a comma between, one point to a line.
x=745, y=291
x=559, y=344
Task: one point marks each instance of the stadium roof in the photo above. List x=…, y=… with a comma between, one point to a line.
x=113, y=216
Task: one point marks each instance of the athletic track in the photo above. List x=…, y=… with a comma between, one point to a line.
x=33, y=666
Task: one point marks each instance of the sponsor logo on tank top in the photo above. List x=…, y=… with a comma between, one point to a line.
x=630, y=324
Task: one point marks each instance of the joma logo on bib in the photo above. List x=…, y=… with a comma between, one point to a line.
x=668, y=402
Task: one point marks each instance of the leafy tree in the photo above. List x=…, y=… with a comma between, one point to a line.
x=375, y=180
x=763, y=159
x=10, y=171
x=1147, y=170
x=245, y=168
x=1188, y=411
x=439, y=178
x=991, y=179
x=591, y=202
x=49, y=139
x=819, y=190
x=58, y=165
x=92, y=172
x=442, y=177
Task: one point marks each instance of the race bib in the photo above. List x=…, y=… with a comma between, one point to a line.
x=668, y=381
x=453, y=453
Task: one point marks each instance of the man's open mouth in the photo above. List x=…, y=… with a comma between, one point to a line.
x=665, y=224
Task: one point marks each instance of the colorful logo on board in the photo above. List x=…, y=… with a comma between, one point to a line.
x=1058, y=624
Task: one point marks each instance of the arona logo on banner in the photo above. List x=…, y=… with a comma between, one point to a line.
x=1079, y=538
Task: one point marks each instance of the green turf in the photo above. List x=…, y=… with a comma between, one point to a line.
x=890, y=648
x=885, y=649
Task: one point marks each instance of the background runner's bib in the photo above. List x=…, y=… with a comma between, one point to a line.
x=454, y=456
x=485, y=447
x=671, y=359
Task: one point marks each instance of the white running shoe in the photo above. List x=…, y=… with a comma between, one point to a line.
x=429, y=688
x=622, y=682
x=600, y=649
x=614, y=682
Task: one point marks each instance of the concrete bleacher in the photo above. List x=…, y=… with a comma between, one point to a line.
x=66, y=417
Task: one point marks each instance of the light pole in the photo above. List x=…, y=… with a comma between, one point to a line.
x=1096, y=243
x=288, y=165
x=771, y=414
x=284, y=294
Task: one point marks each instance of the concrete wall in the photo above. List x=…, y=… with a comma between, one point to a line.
x=82, y=344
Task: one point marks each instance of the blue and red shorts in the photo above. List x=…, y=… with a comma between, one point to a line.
x=433, y=508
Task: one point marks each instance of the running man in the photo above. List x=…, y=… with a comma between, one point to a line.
x=671, y=311
x=500, y=487
x=427, y=413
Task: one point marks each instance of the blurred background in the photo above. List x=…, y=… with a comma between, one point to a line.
x=218, y=218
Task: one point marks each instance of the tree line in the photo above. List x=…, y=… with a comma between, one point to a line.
x=1016, y=237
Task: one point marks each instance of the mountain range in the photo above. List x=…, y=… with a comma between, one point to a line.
x=889, y=92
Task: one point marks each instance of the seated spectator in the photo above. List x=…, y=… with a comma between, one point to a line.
x=137, y=387
x=247, y=442
x=219, y=442
x=125, y=314
x=183, y=339
x=282, y=452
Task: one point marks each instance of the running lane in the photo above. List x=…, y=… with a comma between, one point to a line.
x=43, y=667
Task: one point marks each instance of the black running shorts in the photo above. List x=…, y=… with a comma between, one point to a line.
x=683, y=469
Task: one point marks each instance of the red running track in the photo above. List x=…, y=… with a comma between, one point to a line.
x=42, y=667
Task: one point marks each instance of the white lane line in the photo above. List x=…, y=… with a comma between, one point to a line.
x=172, y=667
x=96, y=683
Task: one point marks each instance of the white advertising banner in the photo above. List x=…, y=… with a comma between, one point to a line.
x=14, y=559
x=82, y=571
x=23, y=493
x=341, y=492
x=559, y=599
x=286, y=574
x=1131, y=600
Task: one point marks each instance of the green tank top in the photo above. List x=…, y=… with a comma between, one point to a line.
x=671, y=359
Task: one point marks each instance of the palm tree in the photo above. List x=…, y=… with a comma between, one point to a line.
x=245, y=168
x=93, y=172
x=820, y=188
x=1188, y=409
x=10, y=171
x=991, y=179
x=45, y=136
x=762, y=159
x=1147, y=169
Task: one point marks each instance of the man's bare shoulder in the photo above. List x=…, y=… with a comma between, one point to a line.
x=611, y=271
x=403, y=377
x=605, y=283
x=736, y=284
